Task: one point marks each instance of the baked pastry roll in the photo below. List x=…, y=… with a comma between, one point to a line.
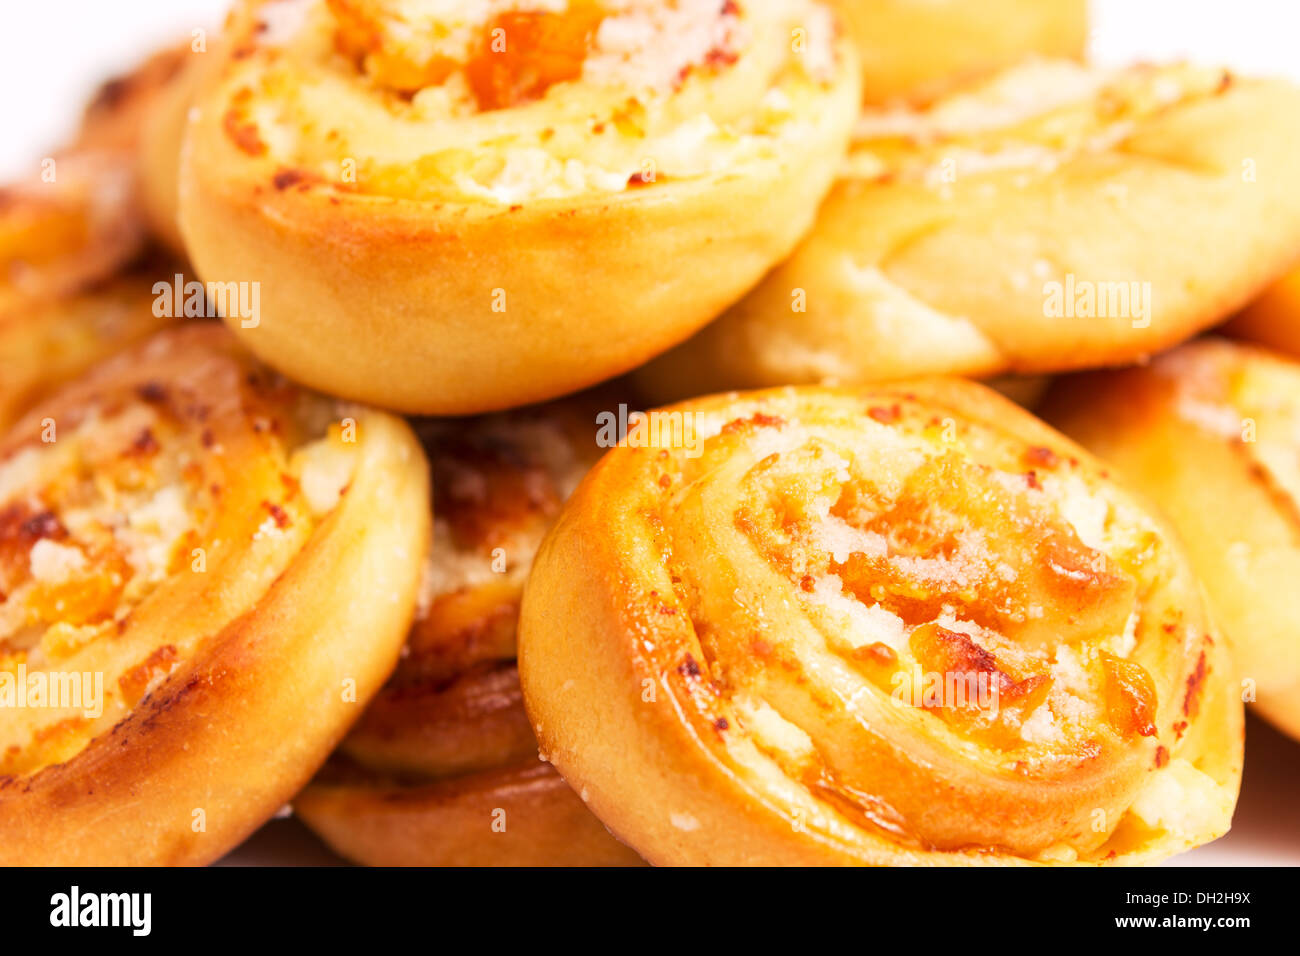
x=205, y=574
x=443, y=769
x=459, y=210
x=1274, y=318
x=899, y=625
x=915, y=50
x=75, y=280
x=1055, y=217
x=142, y=114
x=1211, y=431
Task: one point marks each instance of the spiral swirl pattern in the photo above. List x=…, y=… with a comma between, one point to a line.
x=167, y=524
x=909, y=624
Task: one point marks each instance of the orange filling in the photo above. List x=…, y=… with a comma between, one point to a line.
x=524, y=54
x=952, y=536
x=519, y=56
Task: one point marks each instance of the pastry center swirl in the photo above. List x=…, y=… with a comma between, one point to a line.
x=155, y=500
x=898, y=599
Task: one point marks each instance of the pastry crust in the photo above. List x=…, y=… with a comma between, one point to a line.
x=732, y=649
x=443, y=769
x=1053, y=218
x=1211, y=431
x=215, y=570
x=1273, y=319
x=916, y=50
x=444, y=227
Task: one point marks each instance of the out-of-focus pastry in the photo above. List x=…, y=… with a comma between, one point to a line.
x=205, y=574
x=141, y=116
x=900, y=625
x=75, y=280
x=1274, y=318
x=443, y=768
x=455, y=211
x=1055, y=217
x=78, y=273
x=1211, y=431
x=915, y=50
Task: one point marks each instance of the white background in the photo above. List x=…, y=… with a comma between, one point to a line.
x=53, y=53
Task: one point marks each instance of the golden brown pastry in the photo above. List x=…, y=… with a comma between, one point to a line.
x=914, y=50
x=205, y=574
x=75, y=280
x=901, y=625
x=1274, y=318
x=443, y=769
x=1056, y=217
x=458, y=211
x=1211, y=431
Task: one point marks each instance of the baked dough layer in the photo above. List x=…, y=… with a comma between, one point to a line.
x=205, y=574
x=443, y=769
x=897, y=625
x=1056, y=217
x=453, y=211
x=1211, y=431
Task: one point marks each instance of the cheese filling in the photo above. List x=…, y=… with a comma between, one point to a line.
x=505, y=102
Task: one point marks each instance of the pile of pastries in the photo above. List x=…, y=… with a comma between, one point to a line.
x=595, y=432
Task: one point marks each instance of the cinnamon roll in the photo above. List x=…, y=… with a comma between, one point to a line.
x=443, y=770
x=898, y=625
x=914, y=50
x=1211, y=431
x=454, y=211
x=1054, y=217
x=205, y=574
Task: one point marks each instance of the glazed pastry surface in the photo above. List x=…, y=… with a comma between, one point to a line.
x=901, y=625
